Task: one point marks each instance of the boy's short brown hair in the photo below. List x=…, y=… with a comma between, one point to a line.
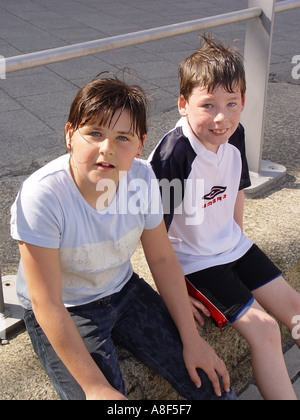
x=213, y=65
x=102, y=98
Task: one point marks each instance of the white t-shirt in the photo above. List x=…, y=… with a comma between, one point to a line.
x=201, y=221
x=95, y=246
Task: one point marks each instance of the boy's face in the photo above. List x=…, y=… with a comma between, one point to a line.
x=213, y=117
x=101, y=153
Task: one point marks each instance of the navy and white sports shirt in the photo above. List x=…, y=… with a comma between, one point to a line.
x=181, y=160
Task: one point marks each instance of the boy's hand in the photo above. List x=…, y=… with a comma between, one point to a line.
x=196, y=307
x=200, y=355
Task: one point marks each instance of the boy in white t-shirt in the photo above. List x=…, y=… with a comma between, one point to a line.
x=223, y=268
x=78, y=221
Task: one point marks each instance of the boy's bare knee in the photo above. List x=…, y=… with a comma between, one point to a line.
x=259, y=329
x=268, y=333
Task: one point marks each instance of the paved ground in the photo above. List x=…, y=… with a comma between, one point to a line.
x=34, y=106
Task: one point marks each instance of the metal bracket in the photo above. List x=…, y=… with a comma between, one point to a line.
x=11, y=313
x=269, y=174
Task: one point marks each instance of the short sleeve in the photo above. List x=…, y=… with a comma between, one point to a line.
x=36, y=217
x=154, y=214
x=238, y=140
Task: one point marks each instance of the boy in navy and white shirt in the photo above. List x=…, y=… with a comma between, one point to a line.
x=185, y=158
x=223, y=268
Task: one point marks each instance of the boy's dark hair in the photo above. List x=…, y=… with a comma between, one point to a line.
x=100, y=99
x=212, y=66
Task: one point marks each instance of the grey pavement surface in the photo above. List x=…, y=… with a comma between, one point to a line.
x=34, y=103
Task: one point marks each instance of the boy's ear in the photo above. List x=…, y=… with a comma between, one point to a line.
x=182, y=106
x=67, y=131
x=243, y=102
x=143, y=139
x=141, y=145
x=68, y=136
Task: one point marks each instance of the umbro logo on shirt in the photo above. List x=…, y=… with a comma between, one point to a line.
x=215, y=191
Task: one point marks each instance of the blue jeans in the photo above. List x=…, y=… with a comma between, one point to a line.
x=135, y=318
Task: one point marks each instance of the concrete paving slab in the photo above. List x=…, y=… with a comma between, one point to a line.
x=30, y=84
x=7, y=103
x=297, y=388
x=292, y=358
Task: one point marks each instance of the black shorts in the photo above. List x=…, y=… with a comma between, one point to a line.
x=226, y=289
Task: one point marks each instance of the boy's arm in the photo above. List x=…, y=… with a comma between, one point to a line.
x=169, y=279
x=239, y=209
x=42, y=272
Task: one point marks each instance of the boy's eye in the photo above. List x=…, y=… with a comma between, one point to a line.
x=95, y=134
x=207, y=106
x=122, y=138
x=231, y=104
x=90, y=136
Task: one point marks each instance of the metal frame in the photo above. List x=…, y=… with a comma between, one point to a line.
x=41, y=58
x=258, y=43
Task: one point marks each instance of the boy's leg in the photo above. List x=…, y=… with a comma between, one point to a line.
x=282, y=301
x=263, y=336
x=147, y=330
x=269, y=288
x=64, y=383
x=96, y=336
x=264, y=279
x=228, y=288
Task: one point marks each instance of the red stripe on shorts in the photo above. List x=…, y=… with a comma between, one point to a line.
x=218, y=317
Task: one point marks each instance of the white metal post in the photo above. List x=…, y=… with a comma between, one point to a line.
x=258, y=47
